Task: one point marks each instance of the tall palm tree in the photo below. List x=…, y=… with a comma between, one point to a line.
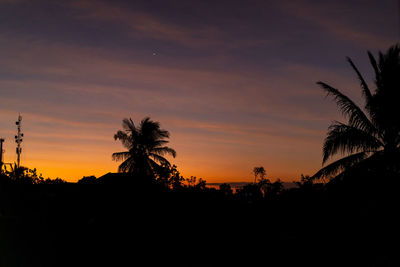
x=372, y=133
x=146, y=148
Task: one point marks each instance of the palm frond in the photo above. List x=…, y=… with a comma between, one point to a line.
x=365, y=89
x=158, y=143
x=340, y=165
x=118, y=156
x=128, y=125
x=125, y=139
x=160, y=159
x=125, y=166
x=120, y=135
x=348, y=139
x=155, y=167
x=164, y=151
x=148, y=126
x=357, y=117
x=374, y=65
x=162, y=134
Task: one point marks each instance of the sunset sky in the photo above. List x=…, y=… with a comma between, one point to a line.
x=233, y=81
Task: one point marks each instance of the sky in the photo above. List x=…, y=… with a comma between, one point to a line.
x=234, y=82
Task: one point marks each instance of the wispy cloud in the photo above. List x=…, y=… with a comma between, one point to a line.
x=146, y=25
x=337, y=21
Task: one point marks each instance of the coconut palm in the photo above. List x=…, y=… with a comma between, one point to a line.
x=372, y=133
x=146, y=148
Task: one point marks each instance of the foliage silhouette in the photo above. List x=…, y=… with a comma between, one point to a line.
x=305, y=182
x=25, y=175
x=175, y=179
x=268, y=189
x=170, y=177
x=146, y=148
x=226, y=189
x=371, y=137
x=250, y=194
x=15, y=172
x=53, y=181
x=258, y=171
x=96, y=220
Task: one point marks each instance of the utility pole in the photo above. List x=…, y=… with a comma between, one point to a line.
x=18, y=139
x=1, y=155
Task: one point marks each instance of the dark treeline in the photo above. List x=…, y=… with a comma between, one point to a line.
x=120, y=219
x=149, y=215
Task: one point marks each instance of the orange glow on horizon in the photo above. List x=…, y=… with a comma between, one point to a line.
x=234, y=92
x=73, y=171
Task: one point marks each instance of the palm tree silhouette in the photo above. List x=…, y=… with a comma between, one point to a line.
x=146, y=148
x=372, y=134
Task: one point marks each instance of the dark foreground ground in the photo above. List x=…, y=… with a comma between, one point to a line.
x=144, y=225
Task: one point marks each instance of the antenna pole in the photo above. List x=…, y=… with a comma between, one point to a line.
x=18, y=140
